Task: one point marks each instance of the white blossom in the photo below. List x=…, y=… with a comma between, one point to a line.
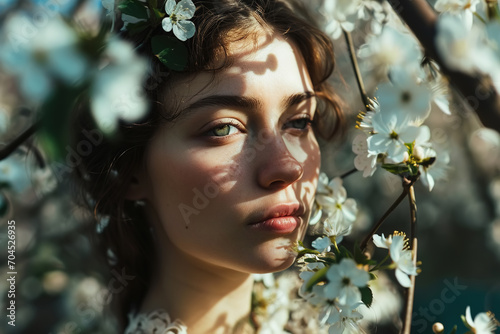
x=178, y=18
x=405, y=95
x=345, y=322
x=390, y=48
x=483, y=323
x=40, y=56
x=266, y=279
x=344, y=281
x=463, y=49
x=435, y=171
x=392, y=131
x=364, y=161
x=341, y=15
x=116, y=93
x=464, y=9
x=339, y=210
x=322, y=244
x=382, y=241
x=402, y=258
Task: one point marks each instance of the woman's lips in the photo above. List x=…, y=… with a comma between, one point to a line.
x=281, y=218
x=282, y=225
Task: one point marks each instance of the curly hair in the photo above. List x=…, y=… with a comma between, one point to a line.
x=103, y=176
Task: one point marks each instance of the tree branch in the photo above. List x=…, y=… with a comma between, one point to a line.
x=13, y=145
x=478, y=91
x=410, y=293
x=357, y=72
x=406, y=187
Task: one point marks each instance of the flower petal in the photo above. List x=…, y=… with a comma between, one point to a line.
x=185, y=9
x=380, y=241
x=403, y=279
x=170, y=6
x=468, y=316
x=166, y=24
x=184, y=30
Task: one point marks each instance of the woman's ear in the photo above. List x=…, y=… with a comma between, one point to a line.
x=138, y=187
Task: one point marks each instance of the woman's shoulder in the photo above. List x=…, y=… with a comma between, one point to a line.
x=158, y=322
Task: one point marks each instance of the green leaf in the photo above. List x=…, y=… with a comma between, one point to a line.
x=319, y=276
x=158, y=14
x=307, y=251
x=136, y=28
x=366, y=296
x=170, y=51
x=454, y=330
x=54, y=133
x=397, y=169
x=134, y=9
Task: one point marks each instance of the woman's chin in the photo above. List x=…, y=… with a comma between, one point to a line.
x=274, y=260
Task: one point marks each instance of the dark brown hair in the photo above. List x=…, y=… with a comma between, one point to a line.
x=104, y=175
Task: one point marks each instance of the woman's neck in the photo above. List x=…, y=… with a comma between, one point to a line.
x=206, y=298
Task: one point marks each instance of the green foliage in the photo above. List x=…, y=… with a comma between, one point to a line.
x=366, y=296
x=54, y=134
x=170, y=51
x=319, y=276
x=137, y=28
x=134, y=8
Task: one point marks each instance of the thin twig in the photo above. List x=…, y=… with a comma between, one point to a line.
x=13, y=145
x=410, y=292
x=357, y=72
x=406, y=186
x=346, y=174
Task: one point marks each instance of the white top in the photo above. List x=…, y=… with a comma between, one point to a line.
x=157, y=322
x=277, y=310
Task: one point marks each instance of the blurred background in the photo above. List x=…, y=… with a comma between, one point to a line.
x=62, y=287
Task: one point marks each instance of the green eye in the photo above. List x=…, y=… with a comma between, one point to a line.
x=223, y=130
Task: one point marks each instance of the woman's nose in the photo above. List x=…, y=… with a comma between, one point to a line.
x=277, y=167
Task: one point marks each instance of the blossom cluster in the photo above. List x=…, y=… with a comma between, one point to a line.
x=336, y=280
x=393, y=134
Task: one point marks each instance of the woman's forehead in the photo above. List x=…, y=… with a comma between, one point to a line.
x=253, y=63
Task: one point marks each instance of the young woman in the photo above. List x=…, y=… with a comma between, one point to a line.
x=218, y=181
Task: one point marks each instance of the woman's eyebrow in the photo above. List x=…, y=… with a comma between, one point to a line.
x=244, y=102
x=295, y=99
x=232, y=101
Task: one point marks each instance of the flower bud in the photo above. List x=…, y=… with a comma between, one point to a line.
x=438, y=328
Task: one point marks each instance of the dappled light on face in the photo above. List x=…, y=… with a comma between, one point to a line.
x=257, y=67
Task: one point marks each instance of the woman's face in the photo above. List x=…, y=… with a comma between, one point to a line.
x=232, y=180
